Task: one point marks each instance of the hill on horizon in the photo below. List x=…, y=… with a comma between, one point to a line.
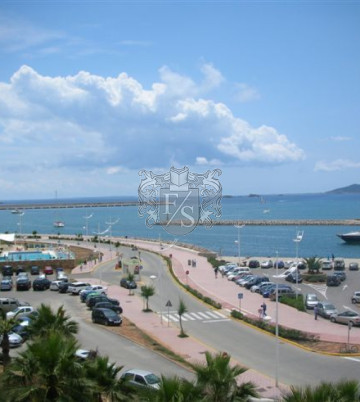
x=352, y=189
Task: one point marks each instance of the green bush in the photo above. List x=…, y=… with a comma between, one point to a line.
x=297, y=303
x=287, y=333
x=314, y=277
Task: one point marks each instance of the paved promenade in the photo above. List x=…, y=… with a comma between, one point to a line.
x=202, y=278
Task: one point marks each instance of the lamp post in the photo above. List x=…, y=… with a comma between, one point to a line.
x=238, y=240
x=297, y=240
x=87, y=223
x=153, y=279
x=277, y=325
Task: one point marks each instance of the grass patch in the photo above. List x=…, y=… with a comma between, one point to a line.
x=296, y=302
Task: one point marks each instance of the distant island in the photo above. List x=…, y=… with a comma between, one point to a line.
x=352, y=189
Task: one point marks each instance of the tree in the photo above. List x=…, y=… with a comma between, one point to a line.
x=313, y=264
x=6, y=326
x=175, y=389
x=47, y=321
x=343, y=391
x=105, y=376
x=182, y=309
x=146, y=293
x=47, y=370
x=130, y=277
x=218, y=379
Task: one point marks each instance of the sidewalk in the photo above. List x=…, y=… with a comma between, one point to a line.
x=202, y=278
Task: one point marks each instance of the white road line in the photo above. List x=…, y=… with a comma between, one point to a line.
x=212, y=321
x=173, y=317
x=219, y=314
x=189, y=316
x=213, y=315
x=197, y=316
x=349, y=308
x=352, y=358
x=203, y=315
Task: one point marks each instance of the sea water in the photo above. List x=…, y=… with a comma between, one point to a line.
x=266, y=241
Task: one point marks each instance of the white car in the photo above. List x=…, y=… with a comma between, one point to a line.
x=225, y=268
x=142, y=378
x=95, y=288
x=54, y=285
x=15, y=340
x=21, y=311
x=267, y=264
x=75, y=287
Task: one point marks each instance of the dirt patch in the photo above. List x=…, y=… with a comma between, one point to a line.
x=323, y=346
x=82, y=254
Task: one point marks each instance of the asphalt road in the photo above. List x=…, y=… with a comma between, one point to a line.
x=92, y=336
x=248, y=346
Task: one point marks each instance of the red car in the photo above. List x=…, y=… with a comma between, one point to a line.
x=48, y=270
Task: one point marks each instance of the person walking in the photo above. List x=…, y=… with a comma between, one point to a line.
x=316, y=312
x=263, y=306
x=216, y=272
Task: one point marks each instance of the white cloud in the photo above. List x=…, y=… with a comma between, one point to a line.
x=245, y=93
x=111, y=125
x=335, y=165
x=340, y=138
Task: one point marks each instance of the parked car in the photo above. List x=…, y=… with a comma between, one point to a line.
x=6, y=284
x=355, y=297
x=254, y=264
x=8, y=304
x=281, y=292
x=55, y=285
x=341, y=275
x=111, y=306
x=353, y=266
x=63, y=287
x=255, y=281
x=346, y=317
x=20, y=268
x=75, y=287
x=267, y=264
x=270, y=289
x=257, y=288
x=7, y=270
x=48, y=270
x=280, y=264
x=15, y=340
x=326, y=265
x=311, y=300
x=326, y=309
x=339, y=265
x=61, y=276
x=23, y=283
x=35, y=270
x=141, y=378
x=125, y=283
x=226, y=267
x=105, y=316
x=90, y=302
x=41, y=284
x=333, y=280
x=243, y=279
x=84, y=296
x=20, y=311
x=94, y=288
x=294, y=277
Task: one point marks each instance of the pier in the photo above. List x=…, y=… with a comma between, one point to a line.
x=22, y=207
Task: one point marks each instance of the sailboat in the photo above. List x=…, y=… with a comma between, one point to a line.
x=58, y=223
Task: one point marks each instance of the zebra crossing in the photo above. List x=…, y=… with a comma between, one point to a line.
x=203, y=316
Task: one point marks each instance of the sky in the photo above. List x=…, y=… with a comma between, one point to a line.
x=92, y=92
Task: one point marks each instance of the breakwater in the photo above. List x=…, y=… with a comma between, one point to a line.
x=276, y=222
x=17, y=208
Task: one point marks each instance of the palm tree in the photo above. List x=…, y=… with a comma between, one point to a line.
x=47, y=321
x=6, y=326
x=182, y=309
x=218, y=379
x=47, y=370
x=313, y=264
x=175, y=389
x=105, y=375
x=130, y=277
x=344, y=391
x=146, y=293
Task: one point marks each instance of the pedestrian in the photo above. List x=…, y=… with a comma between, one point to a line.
x=216, y=272
x=263, y=306
x=316, y=312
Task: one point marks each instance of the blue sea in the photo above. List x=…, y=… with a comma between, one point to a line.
x=266, y=241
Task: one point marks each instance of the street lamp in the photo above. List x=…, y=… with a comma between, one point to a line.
x=87, y=223
x=153, y=279
x=238, y=239
x=277, y=324
x=297, y=240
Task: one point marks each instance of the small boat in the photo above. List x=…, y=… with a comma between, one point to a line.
x=16, y=211
x=351, y=237
x=59, y=224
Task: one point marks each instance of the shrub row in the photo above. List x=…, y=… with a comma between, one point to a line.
x=314, y=277
x=297, y=303
x=287, y=333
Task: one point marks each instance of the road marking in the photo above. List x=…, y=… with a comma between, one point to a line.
x=319, y=288
x=204, y=316
x=349, y=308
x=344, y=287
x=212, y=321
x=352, y=358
